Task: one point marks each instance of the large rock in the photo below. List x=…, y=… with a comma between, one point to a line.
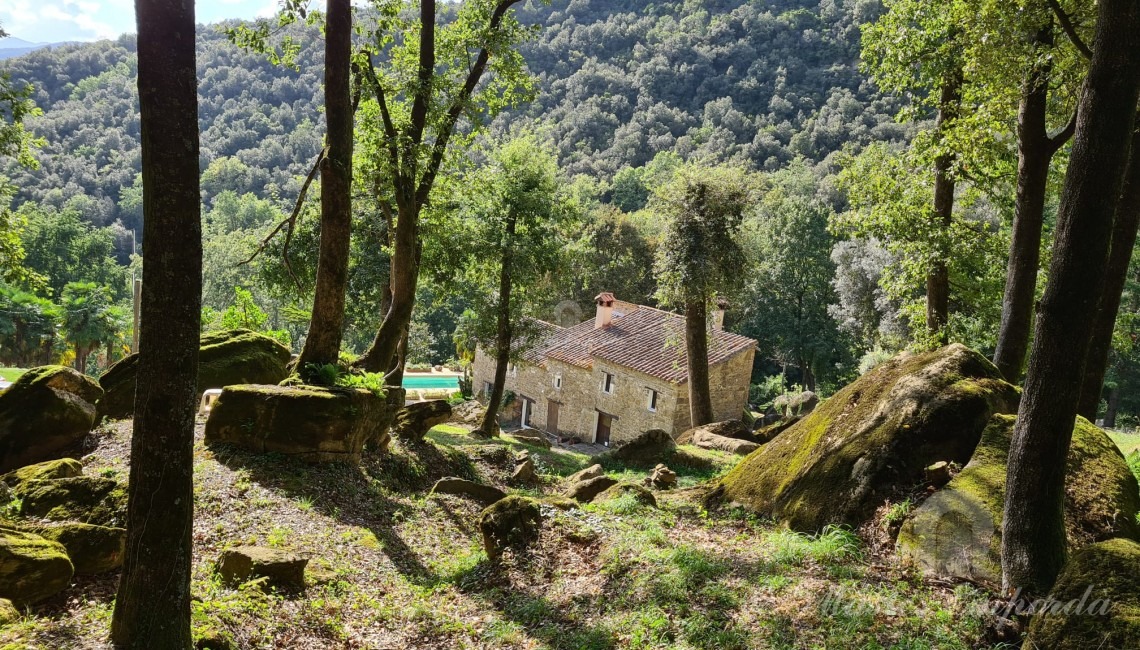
x=1098, y=595
x=532, y=437
x=310, y=423
x=8, y=612
x=485, y=494
x=469, y=412
x=48, y=410
x=957, y=531
x=279, y=569
x=648, y=448
x=514, y=521
x=224, y=359
x=593, y=471
x=88, y=499
x=49, y=469
x=31, y=568
x=586, y=490
x=799, y=404
x=92, y=549
x=639, y=494
x=728, y=429
x=706, y=440
x=872, y=440
x=416, y=419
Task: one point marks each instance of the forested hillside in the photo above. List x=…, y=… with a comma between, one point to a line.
x=618, y=83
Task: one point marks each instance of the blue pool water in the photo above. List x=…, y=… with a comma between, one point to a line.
x=413, y=380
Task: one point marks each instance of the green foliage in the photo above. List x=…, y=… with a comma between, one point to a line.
x=90, y=318
x=28, y=328
x=331, y=374
x=700, y=254
x=63, y=246
x=766, y=391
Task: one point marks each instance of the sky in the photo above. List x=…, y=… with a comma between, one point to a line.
x=52, y=21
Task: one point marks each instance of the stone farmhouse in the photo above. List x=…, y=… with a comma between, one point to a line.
x=624, y=372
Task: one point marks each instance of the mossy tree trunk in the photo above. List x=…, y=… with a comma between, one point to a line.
x=326, y=326
x=1035, y=150
x=1033, y=539
x=697, y=349
x=152, y=608
x=1116, y=275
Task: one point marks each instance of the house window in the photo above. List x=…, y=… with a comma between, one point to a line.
x=652, y=402
x=557, y=382
x=608, y=383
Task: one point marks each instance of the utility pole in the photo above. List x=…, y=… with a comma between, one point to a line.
x=136, y=296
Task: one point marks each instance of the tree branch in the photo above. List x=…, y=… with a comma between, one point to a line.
x=389, y=127
x=427, y=69
x=291, y=222
x=453, y=113
x=1070, y=30
x=1059, y=139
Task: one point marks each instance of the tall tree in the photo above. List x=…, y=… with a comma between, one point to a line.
x=90, y=319
x=1033, y=535
x=16, y=142
x=430, y=84
x=1044, y=92
x=1115, y=276
x=517, y=209
x=152, y=608
x=326, y=326
x=700, y=257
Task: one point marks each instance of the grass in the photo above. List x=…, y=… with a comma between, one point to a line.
x=11, y=374
x=1128, y=442
x=391, y=566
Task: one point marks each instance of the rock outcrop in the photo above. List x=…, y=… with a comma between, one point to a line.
x=310, y=423
x=639, y=494
x=277, y=569
x=728, y=429
x=796, y=405
x=31, y=568
x=706, y=440
x=512, y=522
x=44, y=413
x=1098, y=596
x=586, y=490
x=484, y=494
x=49, y=469
x=649, y=447
x=225, y=358
x=92, y=549
x=87, y=499
x=872, y=440
x=416, y=419
x=957, y=531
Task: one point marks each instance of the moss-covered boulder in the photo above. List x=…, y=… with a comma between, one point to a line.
x=871, y=441
x=735, y=429
x=957, y=531
x=639, y=494
x=224, y=359
x=48, y=410
x=92, y=549
x=31, y=568
x=512, y=522
x=49, y=469
x=8, y=612
x=416, y=419
x=648, y=448
x=87, y=499
x=310, y=423
x=587, y=490
x=1095, y=602
x=707, y=440
x=484, y=494
x=276, y=568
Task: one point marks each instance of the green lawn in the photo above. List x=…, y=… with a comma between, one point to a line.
x=11, y=374
x=1128, y=442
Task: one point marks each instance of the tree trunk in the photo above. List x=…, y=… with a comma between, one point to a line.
x=503, y=333
x=1113, y=406
x=405, y=275
x=1033, y=539
x=326, y=326
x=1035, y=151
x=152, y=608
x=697, y=348
x=1116, y=274
x=80, y=357
x=938, y=279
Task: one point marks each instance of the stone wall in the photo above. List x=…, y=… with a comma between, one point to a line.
x=581, y=397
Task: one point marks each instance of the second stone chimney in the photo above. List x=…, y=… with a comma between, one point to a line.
x=718, y=315
x=605, y=315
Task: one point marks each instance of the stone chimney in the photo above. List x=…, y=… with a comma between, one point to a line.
x=605, y=315
x=718, y=315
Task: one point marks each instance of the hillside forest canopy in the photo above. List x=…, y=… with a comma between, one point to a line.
x=388, y=186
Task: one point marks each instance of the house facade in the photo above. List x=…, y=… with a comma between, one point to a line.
x=623, y=372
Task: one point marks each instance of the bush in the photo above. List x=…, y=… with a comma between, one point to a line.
x=873, y=358
x=763, y=393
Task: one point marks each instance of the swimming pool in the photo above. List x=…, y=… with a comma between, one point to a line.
x=426, y=381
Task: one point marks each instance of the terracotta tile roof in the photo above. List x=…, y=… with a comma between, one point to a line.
x=641, y=338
